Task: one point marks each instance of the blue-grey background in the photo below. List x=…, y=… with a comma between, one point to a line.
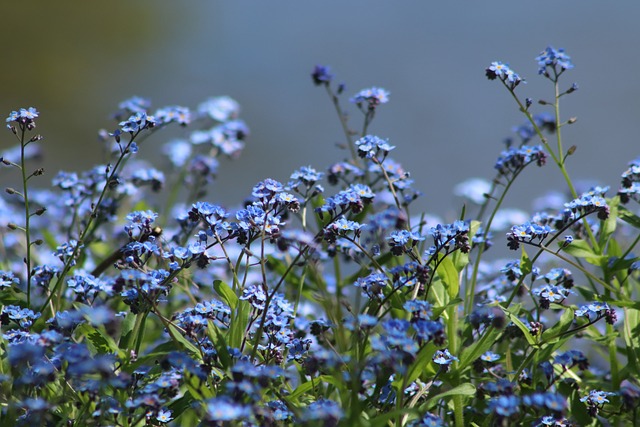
x=75, y=61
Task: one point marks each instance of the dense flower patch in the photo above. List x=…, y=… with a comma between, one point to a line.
x=128, y=298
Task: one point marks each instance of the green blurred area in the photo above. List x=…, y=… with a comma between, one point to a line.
x=66, y=57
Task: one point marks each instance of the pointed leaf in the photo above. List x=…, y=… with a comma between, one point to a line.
x=226, y=293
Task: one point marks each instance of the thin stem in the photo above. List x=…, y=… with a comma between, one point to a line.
x=27, y=216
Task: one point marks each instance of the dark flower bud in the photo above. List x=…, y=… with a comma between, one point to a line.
x=10, y=190
x=535, y=328
x=499, y=319
x=321, y=75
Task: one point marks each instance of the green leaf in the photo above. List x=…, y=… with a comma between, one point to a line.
x=102, y=343
x=526, y=266
x=305, y=387
x=221, y=345
x=437, y=311
x=239, y=322
x=478, y=348
x=566, y=319
x=521, y=326
x=628, y=217
x=421, y=364
x=180, y=405
x=127, y=329
x=582, y=249
x=631, y=335
x=383, y=419
x=188, y=345
x=449, y=276
x=226, y=293
x=466, y=389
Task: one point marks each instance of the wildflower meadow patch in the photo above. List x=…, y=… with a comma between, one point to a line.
x=129, y=298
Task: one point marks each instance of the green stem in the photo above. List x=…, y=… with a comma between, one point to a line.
x=27, y=216
x=471, y=290
x=85, y=232
x=345, y=126
x=141, y=319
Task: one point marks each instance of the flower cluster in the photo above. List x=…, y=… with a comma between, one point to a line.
x=499, y=70
x=527, y=233
x=589, y=203
x=449, y=237
x=630, y=186
x=553, y=61
x=24, y=118
x=371, y=97
x=512, y=161
x=122, y=306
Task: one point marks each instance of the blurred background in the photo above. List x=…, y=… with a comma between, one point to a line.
x=75, y=61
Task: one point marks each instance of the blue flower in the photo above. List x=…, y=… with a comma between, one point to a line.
x=547, y=400
x=498, y=70
x=370, y=145
x=403, y=241
x=553, y=60
x=443, y=357
x=22, y=316
x=164, y=416
x=342, y=170
x=373, y=97
x=589, y=203
x=419, y=309
x=7, y=278
x=504, y=406
x=513, y=160
x=178, y=151
x=373, y=285
x=321, y=75
x=572, y=358
x=224, y=409
x=24, y=117
x=429, y=330
x=527, y=233
x=595, y=400
x=429, y=420
x=137, y=122
x=307, y=175
x=175, y=113
x=135, y=104
x=490, y=356
x=222, y=108
x=280, y=411
x=551, y=294
x=323, y=409
x=456, y=234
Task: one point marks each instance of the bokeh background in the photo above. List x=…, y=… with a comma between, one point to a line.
x=75, y=61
